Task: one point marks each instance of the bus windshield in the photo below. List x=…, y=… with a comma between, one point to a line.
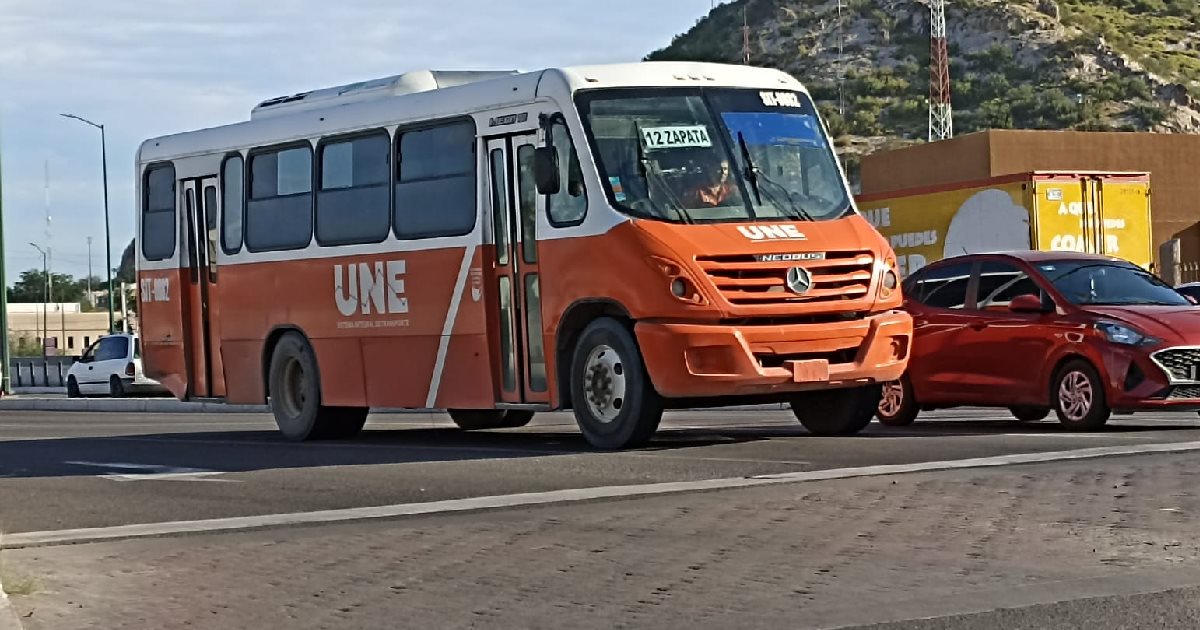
x=714, y=155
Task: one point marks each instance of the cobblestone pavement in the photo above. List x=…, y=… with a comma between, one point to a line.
x=825, y=554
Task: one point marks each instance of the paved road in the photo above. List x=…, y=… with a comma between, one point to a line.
x=953, y=545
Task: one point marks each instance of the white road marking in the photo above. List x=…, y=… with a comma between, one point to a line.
x=448, y=326
x=141, y=530
x=153, y=472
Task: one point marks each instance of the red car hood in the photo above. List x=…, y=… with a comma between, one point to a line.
x=1177, y=325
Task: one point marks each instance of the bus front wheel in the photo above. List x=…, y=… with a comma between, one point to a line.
x=615, y=404
x=295, y=391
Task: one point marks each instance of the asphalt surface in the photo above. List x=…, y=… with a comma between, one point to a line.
x=61, y=471
x=82, y=470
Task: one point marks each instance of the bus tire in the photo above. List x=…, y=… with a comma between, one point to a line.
x=837, y=411
x=480, y=419
x=514, y=418
x=295, y=391
x=615, y=403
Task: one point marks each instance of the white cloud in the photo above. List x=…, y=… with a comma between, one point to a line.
x=151, y=68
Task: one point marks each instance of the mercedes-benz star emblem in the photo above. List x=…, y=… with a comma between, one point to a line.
x=799, y=280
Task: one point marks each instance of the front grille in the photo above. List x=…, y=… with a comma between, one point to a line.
x=836, y=357
x=1180, y=363
x=1190, y=392
x=742, y=280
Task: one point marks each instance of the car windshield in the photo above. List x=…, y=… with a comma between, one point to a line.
x=1109, y=284
x=714, y=155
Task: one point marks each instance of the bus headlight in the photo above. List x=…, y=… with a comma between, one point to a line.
x=889, y=280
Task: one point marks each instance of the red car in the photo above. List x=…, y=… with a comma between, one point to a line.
x=1080, y=334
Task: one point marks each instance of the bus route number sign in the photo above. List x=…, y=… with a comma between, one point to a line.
x=676, y=137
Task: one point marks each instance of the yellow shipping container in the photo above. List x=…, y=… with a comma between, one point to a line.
x=1096, y=212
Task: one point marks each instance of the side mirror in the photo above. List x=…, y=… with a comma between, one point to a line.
x=1191, y=299
x=1027, y=304
x=545, y=170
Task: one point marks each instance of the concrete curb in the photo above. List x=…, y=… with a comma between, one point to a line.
x=8, y=616
x=124, y=405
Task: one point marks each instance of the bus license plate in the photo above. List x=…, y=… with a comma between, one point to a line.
x=813, y=371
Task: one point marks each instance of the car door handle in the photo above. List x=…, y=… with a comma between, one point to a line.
x=977, y=325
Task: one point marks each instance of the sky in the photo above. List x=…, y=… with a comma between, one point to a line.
x=145, y=69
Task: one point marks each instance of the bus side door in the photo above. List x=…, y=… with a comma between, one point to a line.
x=515, y=317
x=202, y=340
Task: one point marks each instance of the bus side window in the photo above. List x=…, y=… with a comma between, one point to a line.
x=568, y=206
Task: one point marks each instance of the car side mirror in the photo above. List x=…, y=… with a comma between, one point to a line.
x=545, y=170
x=1028, y=304
x=1191, y=299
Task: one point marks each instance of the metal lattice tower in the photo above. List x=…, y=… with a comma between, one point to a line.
x=941, y=116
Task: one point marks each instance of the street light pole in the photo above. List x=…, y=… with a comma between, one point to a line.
x=107, y=233
x=45, y=301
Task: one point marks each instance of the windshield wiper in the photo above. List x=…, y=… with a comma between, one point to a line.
x=753, y=175
x=651, y=176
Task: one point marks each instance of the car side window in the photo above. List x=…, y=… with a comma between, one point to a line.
x=943, y=287
x=1000, y=282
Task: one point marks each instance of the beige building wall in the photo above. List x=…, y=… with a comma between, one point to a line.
x=73, y=331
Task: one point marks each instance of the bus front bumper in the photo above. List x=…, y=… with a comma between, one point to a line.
x=700, y=360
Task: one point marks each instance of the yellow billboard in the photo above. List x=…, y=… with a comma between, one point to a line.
x=1095, y=214
x=927, y=227
x=1105, y=213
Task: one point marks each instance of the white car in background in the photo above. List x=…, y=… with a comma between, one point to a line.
x=112, y=366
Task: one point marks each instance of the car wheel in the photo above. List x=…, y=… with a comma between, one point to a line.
x=1029, y=414
x=897, y=405
x=73, y=388
x=1078, y=397
x=614, y=402
x=116, y=389
x=295, y=396
x=837, y=411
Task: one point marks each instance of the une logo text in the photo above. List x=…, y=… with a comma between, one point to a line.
x=368, y=288
x=760, y=232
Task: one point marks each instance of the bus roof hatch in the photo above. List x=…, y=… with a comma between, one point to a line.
x=407, y=83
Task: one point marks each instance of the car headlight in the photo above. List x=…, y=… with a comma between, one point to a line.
x=1124, y=335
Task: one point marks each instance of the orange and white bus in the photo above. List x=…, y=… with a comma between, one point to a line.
x=615, y=240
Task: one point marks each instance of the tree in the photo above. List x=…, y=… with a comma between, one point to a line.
x=31, y=288
x=126, y=272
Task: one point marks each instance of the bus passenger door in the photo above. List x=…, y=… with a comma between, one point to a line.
x=205, y=373
x=515, y=321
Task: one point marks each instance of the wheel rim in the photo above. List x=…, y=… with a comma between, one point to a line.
x=295, y=386
x=1075, y=395
x=892, y=400
x=604, y=383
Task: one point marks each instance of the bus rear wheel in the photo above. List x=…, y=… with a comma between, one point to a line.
x=614, y=402
x=837, y=411
x=478, y=419
x=295, y=391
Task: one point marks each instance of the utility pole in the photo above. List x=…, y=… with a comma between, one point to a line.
x=46, y=302
x=5, y=359
x=841, y=63
x=941, y=114
x=91, y=296
x=745, y=38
